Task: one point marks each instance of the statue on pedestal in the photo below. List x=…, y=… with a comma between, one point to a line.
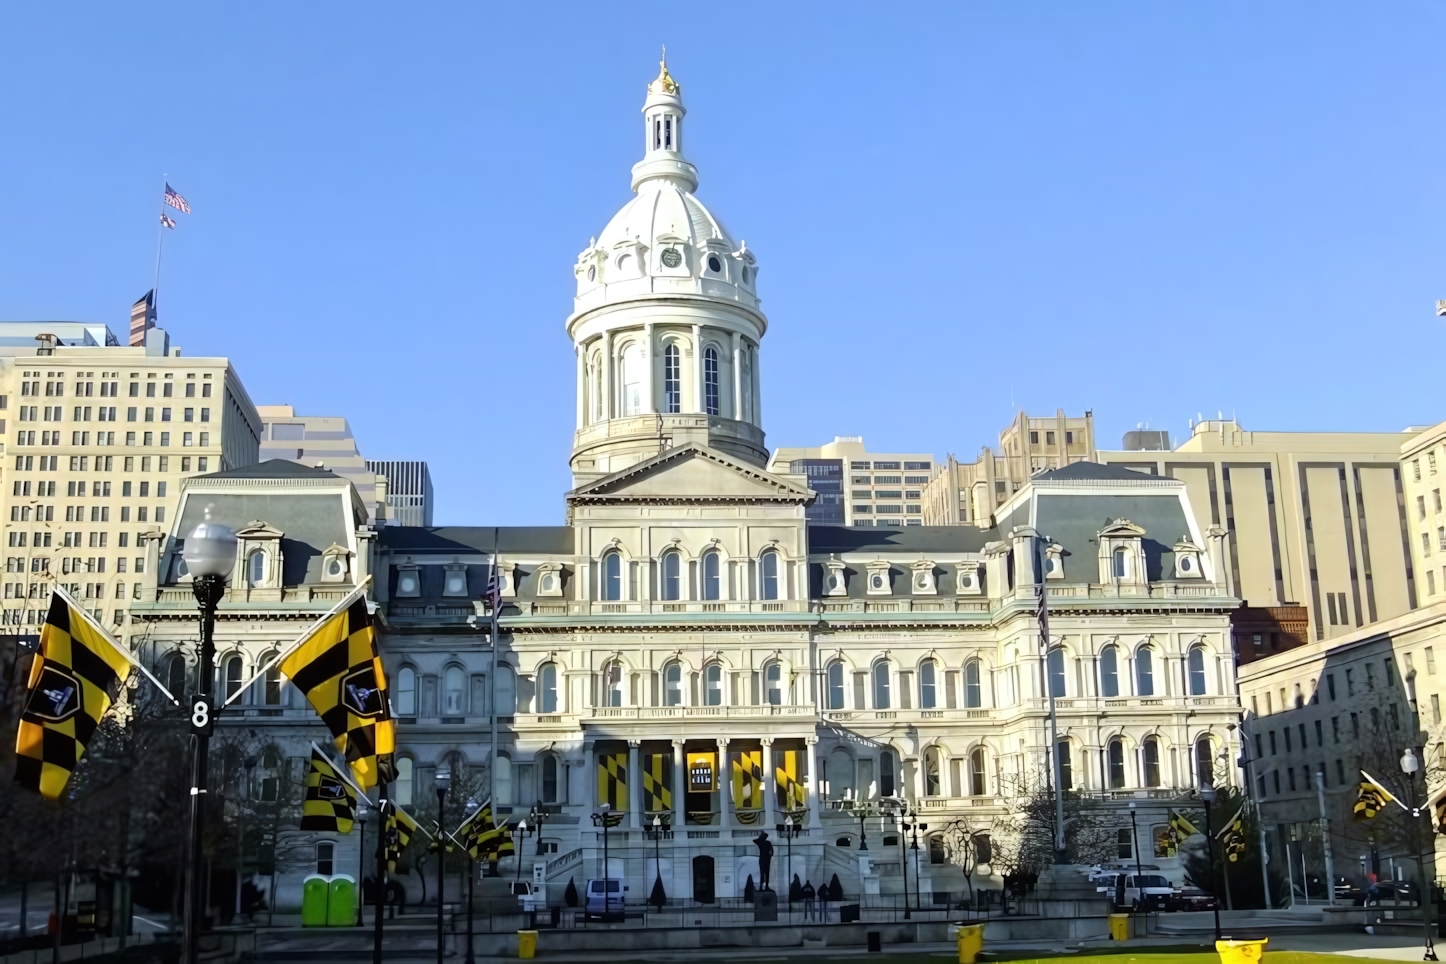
x=765, y=858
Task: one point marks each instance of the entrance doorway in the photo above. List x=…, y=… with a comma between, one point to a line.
x=703, y=879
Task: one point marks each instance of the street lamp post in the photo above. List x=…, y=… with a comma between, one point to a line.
x=913, y=826
x=1207, y=794
x=1135, y=842
x=361, y=869
x=1409, y=766
x=601, y=819
x=523, y=832
x=659, y=828
x=443, y=780
x=788, y=830
x=209, y=554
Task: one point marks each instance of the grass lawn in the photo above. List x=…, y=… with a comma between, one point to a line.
x=1185, y=954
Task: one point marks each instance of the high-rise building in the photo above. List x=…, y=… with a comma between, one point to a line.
x=1423, y=464
x=409, y=491
x=320, y=441
x=98, y=437
x=857, y=487
x=963, y=493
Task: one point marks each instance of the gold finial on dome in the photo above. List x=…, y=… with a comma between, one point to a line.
x=665, y=84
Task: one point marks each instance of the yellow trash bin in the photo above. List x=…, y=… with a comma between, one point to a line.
x=971, y=942
x=1119, y=927
x=527, y=945
x=1240, y=952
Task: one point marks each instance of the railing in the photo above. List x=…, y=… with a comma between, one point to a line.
x=699, y=712
x=571, y=857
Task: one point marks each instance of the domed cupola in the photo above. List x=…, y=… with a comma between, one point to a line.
x=666, y=320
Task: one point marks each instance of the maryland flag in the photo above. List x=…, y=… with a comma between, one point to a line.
x=612, y=780
x=483, y=839
x=792, y=790
x=73, y=681
x=1371, y=798
x=1182, y=828
x=338, y=669
x=748, y=786
x=400, y=830
x=1232, y=838
x=330, y=802
x=657, y=789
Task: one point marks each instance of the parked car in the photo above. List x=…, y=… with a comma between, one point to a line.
x=529, y=895
x=610, y=901
x=1191, y=898
x=1146, y=892
x=1387, y=892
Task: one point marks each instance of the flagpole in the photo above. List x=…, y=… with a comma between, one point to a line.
x=70, y=601
x=160, y=239
x=346, y=601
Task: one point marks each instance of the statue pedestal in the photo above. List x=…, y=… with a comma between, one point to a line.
x=765, y=906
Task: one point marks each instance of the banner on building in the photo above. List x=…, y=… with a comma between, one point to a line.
x=747, y=771
x=789, y=780
x=702, y=772
x=658, y=783
x=612, y=780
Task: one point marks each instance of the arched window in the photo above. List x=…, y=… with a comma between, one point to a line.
x=1144, y=672
x=835, y=685
x=1056, y=672
x=401, y=789
x=931, y=771
x=612, y=573
x=613, y=684
x=547, y=683
x=977, y=784
x=256, y=568
x=886, y=773
x=549, y=779
x=673, y=684
x=768, y=567
x=1116, y=753
x=1066, y=775
x=233, y=675
x=773, y=684
x=271, y=684
x=503, y=780
x=710, y=381
x=454, y=691
x=406, y=692
x=672, y=380
x=1150, y=757
x=711, y=565
x=672, y=575
x=1197, y=670
x=1109, y=671
x=506, y=690
x=1120, y=564
x=634, y=373
x=927, y=694
x=176, y=676
x=1204, y=763
x=713, y=685
x=840, y=773
x=881, y=685
x=597, y=389
x=972, y=694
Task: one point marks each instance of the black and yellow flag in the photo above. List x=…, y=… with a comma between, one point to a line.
x=1371, y=798
x=73, y=681
x=400, y=830
x=747, y=772
x=1232, y=837
x=1437, y=806
x=657, y=783
x=338, y=669
x=792, y=790
x=330, y=802
x=1182, y=827
x=612, y=780
x=484, y=839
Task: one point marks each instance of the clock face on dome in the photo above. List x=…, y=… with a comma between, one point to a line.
x=672, y=257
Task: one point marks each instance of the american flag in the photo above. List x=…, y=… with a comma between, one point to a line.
x=176, y=201
x=168, y=221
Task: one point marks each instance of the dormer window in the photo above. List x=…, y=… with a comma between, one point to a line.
x=878, y=578
x=454, y=583
x=966, y=579
x=923, y=578
x=1187, y=559
x=1120, y=567
x=409, y=582
x=256, y=569
x=334, y=560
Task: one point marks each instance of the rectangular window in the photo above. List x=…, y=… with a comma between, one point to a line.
x=206, y=412
x=1033, y=438
x=165, y=438
x=1355, y=727
x=1288, y=747
x=205, y=439
x=1048, y=438
x=1336, y=728
x=185, y=439
x=1273, y=748
x=1319, y=733
x=1435, y=708
x=1430, y=661
x=887, y=465
x=1331, y=685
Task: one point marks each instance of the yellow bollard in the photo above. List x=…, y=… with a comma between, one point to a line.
x=1119, y=927
x=527, y=945
x=1240, y=952
x=971, y=942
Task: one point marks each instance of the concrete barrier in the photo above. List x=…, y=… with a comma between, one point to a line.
x=621, y=939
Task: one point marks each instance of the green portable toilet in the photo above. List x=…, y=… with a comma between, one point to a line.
x=341, y=901
x=314, y=900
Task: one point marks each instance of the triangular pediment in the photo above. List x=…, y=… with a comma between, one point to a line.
x=1122, y=528
x=691, y=473
x=256, y=529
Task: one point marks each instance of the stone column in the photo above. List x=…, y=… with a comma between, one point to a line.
x=737, y=410
x=725, y=785
x=680, y=786
x=607, y=375
x=769, y=790
x=697, y=368
x=811, y=761
x=635, y=786
x=581, y=386
x=648, y=366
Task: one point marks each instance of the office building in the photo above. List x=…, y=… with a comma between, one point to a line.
x=857, y=487
x=320, y=441
x=409, y=491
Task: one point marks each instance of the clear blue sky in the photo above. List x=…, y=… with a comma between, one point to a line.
x=1149, y=210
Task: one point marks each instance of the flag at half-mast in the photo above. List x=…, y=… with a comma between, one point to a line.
x=339, y=670
x=176, y=201
x=1232, y=837
x=330, y=802
x=74, y=679
x=1371, y=798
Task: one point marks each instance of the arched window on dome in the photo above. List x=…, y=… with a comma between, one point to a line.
x=672, y=380
x=632, y=381
x=597, y=388
x=710, y=381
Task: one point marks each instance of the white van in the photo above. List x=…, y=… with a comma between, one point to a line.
x=1147, y=892
x=609, y=901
